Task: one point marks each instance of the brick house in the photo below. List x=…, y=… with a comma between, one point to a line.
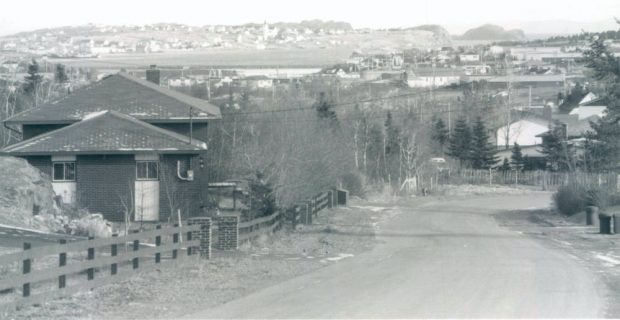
x=121, y=145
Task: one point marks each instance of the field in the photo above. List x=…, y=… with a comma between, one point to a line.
x=310, y=57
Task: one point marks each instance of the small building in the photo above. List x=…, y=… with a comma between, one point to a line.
x=121, y=146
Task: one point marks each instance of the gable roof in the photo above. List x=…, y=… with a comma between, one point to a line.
x=584, y=112
x=106, y=132
x=121, y=92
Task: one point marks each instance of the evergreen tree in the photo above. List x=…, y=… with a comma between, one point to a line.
x=460, y=142
x=483, y=154
x=516, y=158
x=440, y=135
x=33, y=80
x=60, y=74
x=505, y=166
x=558, y=153
x=325, y=109
x=603, y=145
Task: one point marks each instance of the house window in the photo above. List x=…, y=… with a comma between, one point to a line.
x=147, y=170
x=64, y=171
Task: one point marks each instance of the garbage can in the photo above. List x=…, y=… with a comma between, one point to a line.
x=591, y=213
x=605, y=221
x=616, y=223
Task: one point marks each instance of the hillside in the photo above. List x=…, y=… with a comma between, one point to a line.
x=493, y=32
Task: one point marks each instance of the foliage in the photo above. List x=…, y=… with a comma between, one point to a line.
x=482, y=151
x=440, y=135
x=573, y=98
x=60, y=74
x=33, y=79
x=559, y=154
x=460, y=142
x=354, y=183
x=603, y=145
x=505, y=167
x=569, y=199
x=516, y=158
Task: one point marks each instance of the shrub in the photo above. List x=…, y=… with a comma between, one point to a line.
x=354, y=183
x=570, y=199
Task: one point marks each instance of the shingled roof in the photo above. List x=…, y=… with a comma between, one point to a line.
x=106, y=132
x=121, y=92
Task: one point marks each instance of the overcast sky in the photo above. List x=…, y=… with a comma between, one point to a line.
x=456, y=16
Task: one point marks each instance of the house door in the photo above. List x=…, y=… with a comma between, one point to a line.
x=147, y=200
x=147, y=190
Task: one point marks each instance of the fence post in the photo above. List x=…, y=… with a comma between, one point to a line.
x=90, y=272
x=295, y=212
x=136, y=246
x=26, y=270
x=228, y=233
x=158, y=244
x=188, y=237
x=62, y=261
x=175, y=240
x=203, y=235
x=114, y=253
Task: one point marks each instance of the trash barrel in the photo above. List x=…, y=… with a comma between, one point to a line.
x=591, y=213
x=616, y=223
x=605, y=226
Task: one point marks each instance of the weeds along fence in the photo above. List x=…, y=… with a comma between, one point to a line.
x=543, y=179
x=37, y=274
x=231, y=232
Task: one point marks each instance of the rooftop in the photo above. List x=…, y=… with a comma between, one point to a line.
x=123, y=93
x=106, y=132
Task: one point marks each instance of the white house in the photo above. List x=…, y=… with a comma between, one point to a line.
x=584, y=112
x=469, y=57
x=523, y=132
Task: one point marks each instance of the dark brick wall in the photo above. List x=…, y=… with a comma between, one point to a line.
x=199, y=129
x=29, y=131
x=102, y=181
x=43, y=163
x=185, y=195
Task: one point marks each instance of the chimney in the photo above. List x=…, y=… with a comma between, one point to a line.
x=152, y=74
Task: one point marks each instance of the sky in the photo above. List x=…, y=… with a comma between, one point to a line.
x=455, y=16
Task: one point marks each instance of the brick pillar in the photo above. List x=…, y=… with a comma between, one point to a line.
x=330, y=199
x=228, y=232
x=203, y=235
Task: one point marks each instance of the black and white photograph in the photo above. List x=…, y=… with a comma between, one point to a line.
x=309, y=159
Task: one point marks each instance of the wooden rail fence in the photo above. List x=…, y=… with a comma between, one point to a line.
x=107, y=260
x=544, y=179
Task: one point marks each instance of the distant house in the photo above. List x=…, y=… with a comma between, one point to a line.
x=121, y=145
x=433, y=78
x=469, y=57
x=523, y=132
x=257, y=82
x=584, y=112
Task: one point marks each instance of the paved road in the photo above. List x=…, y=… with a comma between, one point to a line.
x=444, y=259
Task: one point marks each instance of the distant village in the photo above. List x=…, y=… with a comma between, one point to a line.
x=545, y=80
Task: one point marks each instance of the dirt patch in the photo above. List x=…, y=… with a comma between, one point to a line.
x=193, y=285
x=598, y=253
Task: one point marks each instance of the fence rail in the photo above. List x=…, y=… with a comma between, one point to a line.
x=59, y=274
x=544, y=179
x=251, y=229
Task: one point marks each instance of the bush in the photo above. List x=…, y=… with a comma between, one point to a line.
x=570, y=199
x=354, y=183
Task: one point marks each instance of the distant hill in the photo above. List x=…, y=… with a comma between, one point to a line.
x=493, y=32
